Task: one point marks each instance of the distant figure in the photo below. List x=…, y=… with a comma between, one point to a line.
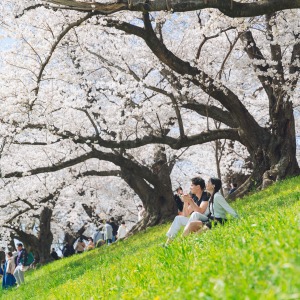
x=90, y=244
x=80, y=246
x=108, y=232
x=98, y=236
x=177, y=199
x=21, y=264
x=141, y=212
x=68, y=250
x=115, y=228
x=2, y=255
x=122, y=231
x=8, y=279
x=54, y=254
x=233, y=188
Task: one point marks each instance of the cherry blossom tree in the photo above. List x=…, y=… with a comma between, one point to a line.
x=86, y=88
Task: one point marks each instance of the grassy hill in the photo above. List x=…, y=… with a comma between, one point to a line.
x=255, y=257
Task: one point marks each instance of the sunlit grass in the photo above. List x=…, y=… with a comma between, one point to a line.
x=255, y=257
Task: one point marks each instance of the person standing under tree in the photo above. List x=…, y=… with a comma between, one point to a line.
x=21, y=264
x=122, y=231
x=8, y=279
x=233, y=187
x=141, y=212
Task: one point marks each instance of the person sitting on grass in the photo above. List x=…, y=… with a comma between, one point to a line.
x=196, y=202
x=80, y=246
x=90, y=244
x=218, y=209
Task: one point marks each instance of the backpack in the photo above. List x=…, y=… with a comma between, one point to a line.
x=30, y=259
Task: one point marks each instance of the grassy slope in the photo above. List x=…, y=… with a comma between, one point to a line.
x=256, y=257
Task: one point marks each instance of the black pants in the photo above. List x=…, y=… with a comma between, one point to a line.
x=214, y=221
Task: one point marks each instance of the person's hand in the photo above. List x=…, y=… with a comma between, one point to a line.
x=187, y=198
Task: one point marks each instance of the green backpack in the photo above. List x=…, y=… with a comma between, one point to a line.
x=30, y=259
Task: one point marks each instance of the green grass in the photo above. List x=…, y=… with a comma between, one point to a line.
x=255, y=257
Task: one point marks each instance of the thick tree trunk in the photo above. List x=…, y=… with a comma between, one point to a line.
x=157, y=199
x=45, y=238
x=276, y=158
x=40, y=246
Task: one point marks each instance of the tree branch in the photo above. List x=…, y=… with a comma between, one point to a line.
x=59, y=38
x=213, y=112
x=230, y=8
x=214, y=89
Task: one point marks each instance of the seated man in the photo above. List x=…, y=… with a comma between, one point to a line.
x=196, y=202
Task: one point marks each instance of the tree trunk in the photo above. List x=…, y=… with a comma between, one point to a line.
x=276, y=158
x=40, y=246
x=158, y=199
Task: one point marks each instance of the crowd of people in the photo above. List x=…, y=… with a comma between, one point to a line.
x=109, y=232
x=14, y=264
x=13, y=267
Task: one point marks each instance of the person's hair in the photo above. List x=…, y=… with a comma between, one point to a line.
x=234, y=184
x=91, y=239
x=19, y=245
x=9, y=253
x=199, y=181
x=218, y=184
x=179, y=189
x=112, y=218
x=140, y=205
x=123, y=222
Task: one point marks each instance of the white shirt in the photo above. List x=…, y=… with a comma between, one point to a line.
x=122, y=231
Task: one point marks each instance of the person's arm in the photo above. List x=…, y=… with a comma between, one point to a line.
x=193, y=206
x=222, y=202
x=7, y=267
x=200, y=209
x=186, y=206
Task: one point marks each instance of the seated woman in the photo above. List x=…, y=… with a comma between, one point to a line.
x=218, y=208
x=90, y=244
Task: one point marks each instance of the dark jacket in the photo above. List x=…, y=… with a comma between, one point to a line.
x=115, y=228
x=68, y=250
x=178, y=201
x=21, y=258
